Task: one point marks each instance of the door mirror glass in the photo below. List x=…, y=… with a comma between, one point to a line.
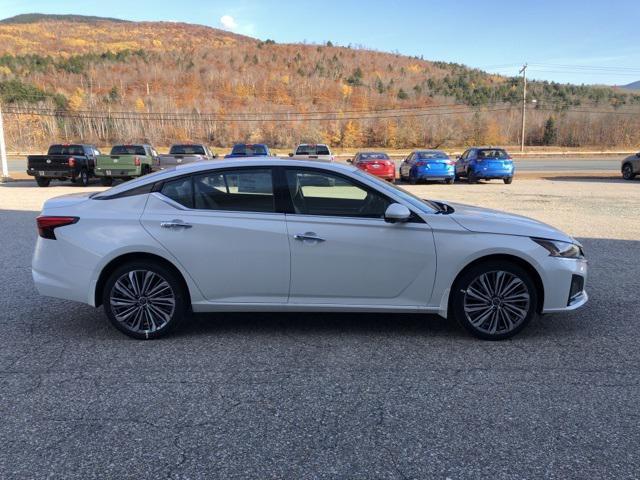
x=397, y=213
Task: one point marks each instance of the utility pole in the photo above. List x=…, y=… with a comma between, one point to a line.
x=3, y=152
x=523, y=71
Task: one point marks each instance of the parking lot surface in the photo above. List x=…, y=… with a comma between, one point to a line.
x=297, y=396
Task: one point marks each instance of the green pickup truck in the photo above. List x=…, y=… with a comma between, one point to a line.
x=126, y=162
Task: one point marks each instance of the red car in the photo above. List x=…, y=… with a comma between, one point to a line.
x=376, y=163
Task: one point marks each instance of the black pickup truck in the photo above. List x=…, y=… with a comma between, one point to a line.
x=74, y=162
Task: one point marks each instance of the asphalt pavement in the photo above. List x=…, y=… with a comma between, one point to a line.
x=310, y=396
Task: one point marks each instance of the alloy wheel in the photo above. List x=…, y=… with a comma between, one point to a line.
x=142, y=301
x=496, y=302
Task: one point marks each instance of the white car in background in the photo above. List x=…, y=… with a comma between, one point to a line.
x=282, y=235
x=311, y=151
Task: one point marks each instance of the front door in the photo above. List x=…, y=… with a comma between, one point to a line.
x=223, y=228
x=342, y=250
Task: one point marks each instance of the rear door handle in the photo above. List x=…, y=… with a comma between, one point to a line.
x=308, y=236
x=175, y=224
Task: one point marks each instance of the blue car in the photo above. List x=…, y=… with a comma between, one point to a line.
x=423, y=165
x=241, y=150
x=486, y=164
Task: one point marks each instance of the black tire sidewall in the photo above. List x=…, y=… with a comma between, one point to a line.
x=456, y=305
x=181, y=307
x=43, y=182
x=627, y=172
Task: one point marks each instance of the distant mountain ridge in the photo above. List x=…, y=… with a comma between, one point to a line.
x=43, y=17
x=632, y=86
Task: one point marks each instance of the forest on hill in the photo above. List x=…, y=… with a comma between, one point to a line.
x=106, y=81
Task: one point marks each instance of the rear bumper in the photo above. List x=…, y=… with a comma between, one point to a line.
x=117, y=172
x=433, y=173
x=386, y=175
x=493, y=174
x=51, y=173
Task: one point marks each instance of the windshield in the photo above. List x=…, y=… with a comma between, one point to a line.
x=187, y=150
x=128, y=150
x=426, y=206
x=249, y=150
x=374, y=156
x=493, y=153
x=66, y=150
x=432, y=155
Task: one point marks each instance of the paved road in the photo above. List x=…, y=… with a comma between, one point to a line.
x=529, y=164
x=301, y=396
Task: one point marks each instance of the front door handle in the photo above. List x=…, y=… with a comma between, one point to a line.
x=308, y=236
x=175, y=224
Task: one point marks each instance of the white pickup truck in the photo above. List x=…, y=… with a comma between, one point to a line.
x=309, y=151
x=185, y=153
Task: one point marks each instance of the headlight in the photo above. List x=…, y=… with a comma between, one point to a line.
x=560, y=249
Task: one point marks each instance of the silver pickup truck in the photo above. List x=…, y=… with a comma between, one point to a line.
x=185, y=153
x=308, y=151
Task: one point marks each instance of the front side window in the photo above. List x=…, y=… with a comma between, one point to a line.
x=315, y=192
x=243, y=190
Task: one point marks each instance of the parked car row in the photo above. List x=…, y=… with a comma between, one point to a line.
x=79, y=163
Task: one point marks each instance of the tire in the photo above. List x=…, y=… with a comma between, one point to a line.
x=106, y=181
x=449, y=181
x=627, y=172
x=488, y=316
x=412, y=180
x=83, y=178
x=471, y=178
x=43, y=182
x=508, y=180
x=145, y=322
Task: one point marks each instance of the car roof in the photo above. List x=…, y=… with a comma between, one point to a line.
x=207, y=165
x=430, y=151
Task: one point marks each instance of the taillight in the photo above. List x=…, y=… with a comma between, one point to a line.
x=450, y=162
x=72, y=162
x=137, y=161
x=420, y=164
x=47, y=225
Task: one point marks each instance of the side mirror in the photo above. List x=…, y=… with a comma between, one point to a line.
x=396, y=213
x=349, y=160
x=638, y=154
x=291, y=154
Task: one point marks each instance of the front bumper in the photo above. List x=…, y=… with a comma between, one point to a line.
x=559, y=274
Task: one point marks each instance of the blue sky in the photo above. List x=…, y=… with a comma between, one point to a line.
x=562, y=40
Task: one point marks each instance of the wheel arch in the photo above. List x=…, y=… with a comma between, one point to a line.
x=136, y=256
x=521, y=262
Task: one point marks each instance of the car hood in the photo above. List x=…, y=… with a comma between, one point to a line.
x=484, y=220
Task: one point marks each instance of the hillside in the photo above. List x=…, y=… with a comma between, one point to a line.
x=632, y=86
x=107, y=80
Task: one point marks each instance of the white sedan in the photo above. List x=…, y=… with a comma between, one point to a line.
x=289, y=235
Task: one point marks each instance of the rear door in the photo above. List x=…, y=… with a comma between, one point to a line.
x=342, y=250
x=223, y=228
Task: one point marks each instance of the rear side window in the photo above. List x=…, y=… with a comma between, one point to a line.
x=180, y=190
x=245, y=190
x=66, y=150
x=128, y=150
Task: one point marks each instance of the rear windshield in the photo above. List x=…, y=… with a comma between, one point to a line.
x=249, y=150
x=128, y=150
x=187, y=150
x=493, y=153
x=313, y=150
x=374, y=156
x=66, y=150
x=432, y=155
